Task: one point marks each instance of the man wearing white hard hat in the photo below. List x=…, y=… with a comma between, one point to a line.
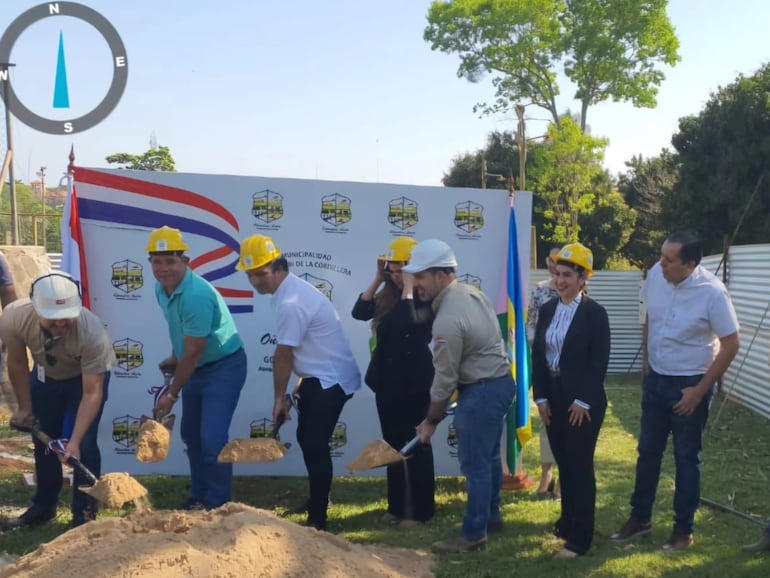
x=65, y=392
x=469, y=357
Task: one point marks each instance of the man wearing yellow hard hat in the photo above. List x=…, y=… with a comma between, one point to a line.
x=311, y=344
x=207, y=361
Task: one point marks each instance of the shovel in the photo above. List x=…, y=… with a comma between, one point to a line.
x=113, y=490
x=256, y=450
x=379, y=453
x=154, y=437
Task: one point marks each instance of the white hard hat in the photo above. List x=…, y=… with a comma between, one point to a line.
x=431, y=253
x=56, y=296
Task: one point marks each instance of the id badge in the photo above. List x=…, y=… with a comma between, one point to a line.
x=41, y=374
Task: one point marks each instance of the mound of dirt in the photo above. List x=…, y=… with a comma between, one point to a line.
x=234, y=540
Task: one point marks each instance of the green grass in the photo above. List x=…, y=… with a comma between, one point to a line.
x=735, y=471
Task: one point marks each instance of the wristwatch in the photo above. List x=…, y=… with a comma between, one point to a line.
x=434, y=420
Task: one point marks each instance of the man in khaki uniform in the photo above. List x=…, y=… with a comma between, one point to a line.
x=469, y=356
x=66, y=390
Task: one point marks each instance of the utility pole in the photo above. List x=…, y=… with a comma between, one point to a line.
x=5, y=77
x=41, y=174
x=521, y=133
x=485, y=175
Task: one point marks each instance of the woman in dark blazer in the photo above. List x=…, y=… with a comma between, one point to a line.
x=400, y=373
x=570, y=354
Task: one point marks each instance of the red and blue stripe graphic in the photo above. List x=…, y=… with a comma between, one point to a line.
x=121, y=200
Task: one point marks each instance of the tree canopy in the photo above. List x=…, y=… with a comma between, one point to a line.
x=573, y=196
x=644, y=186
x=721, y=153
x=155, y=159
x=609, y=49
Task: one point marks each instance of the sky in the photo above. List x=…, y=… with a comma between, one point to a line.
x=336, y=90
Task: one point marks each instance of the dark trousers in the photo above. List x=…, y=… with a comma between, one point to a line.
x=660, y=393
x=573, y=447
x=318, y=411
x=411, y=484
x=55, y=405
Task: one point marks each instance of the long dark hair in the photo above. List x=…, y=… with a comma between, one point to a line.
x=384, y=301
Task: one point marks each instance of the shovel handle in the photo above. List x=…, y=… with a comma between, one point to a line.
x=45, y=439
x=78, y=465
x=409, y=446
x=416, y=439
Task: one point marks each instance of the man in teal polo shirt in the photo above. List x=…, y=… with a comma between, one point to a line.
x=207, y=361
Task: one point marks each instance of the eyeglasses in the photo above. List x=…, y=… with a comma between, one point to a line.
x=49, y=343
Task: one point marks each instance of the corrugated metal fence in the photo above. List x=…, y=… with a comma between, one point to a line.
x=55, y=259
x=748, y=280
x=618, y=292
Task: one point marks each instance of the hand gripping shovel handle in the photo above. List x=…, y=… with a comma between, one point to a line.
x=46, y=440
x=404, y=451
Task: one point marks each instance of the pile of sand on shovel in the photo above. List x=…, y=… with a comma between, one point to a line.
x=153, y=442
x=114, y=490
x=252, y=451
x=375, y=455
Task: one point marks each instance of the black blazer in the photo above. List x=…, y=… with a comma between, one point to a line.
x=584, y=356
x=402, y=363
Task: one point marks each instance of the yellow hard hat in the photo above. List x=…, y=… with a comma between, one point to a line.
x=400, y=250
x=166, y=240
x=257, y=251
x=577, y=254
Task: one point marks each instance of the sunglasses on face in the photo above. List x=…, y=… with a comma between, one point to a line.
x=49, y=343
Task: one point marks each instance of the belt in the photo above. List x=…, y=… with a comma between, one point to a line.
x=210, y=363
x=485, y=381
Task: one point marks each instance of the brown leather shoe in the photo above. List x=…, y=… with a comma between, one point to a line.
x=630, y=530
x=677, y=543
x=459, y=545
x=761, y=547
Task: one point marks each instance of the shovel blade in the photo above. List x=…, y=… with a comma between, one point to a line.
x=253, y=451
x=114, y=490
x=376, y=455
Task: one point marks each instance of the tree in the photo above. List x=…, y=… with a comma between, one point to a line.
x=155, y=159
x=722, y=152
x=605, y=221
x=608, y=48
x=568, y=169
x=609, y=223
x=643, y=186
x=501, y=154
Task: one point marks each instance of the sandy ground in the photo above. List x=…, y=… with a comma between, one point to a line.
x=233, y=541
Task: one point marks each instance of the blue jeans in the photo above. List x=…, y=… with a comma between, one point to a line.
x=660, y=393
x=479, y=425
x=208, y=403
x=55, y=405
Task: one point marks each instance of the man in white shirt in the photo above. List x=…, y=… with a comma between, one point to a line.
x=311, y=343
x=690, y=339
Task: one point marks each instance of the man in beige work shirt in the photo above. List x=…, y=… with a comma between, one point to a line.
x=65, y=392
x=469, y=356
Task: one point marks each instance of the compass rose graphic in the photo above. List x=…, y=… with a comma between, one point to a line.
x=61, y=90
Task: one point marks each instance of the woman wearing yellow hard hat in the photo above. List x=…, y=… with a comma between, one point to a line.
x=570, y=354
x=400, y=373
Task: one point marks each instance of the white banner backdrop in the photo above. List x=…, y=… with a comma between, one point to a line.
x=331, y=234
